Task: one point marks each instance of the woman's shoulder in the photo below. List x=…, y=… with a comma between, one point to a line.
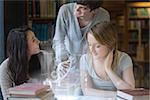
x=123, y=55
x=4, y=67
x=4, y=64
x=125, y=60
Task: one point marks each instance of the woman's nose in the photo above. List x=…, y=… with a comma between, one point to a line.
x=93, y=50
x=37, y=41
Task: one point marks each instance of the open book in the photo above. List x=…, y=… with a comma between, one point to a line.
x=135, y=94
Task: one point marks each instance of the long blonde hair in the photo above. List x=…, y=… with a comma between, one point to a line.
x=106, y=34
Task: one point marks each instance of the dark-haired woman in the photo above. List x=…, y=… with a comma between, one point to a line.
x=21, y=45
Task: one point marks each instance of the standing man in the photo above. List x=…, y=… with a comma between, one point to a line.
x=73, y=21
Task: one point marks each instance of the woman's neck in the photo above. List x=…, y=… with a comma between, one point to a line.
x=98, y=62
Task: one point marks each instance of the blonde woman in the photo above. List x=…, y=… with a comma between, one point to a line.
x=105, y=69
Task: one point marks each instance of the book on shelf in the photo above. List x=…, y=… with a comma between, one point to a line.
x=41, y=8
x=134, y=94
x=30, y=13
x=140, y=52
x=139, y=12
x=132, y=12
x=41, y=30
x=142, y=12
x=29, y=89
x=148, y=10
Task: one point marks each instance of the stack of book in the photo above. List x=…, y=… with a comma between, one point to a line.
x=30, y=91
x=135, y=94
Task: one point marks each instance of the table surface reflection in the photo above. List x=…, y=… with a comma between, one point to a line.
x=67, y=97
x=64, y=90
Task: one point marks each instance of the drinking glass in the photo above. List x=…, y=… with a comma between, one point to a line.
x=47, y=63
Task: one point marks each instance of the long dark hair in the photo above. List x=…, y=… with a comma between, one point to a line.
x=17, y=51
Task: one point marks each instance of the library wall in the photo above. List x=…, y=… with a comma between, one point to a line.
x=117, y=16
x=137, y=40
x=1, y=31
x=14, y=16
x=41, y=16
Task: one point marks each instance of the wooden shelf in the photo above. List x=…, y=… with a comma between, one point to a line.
x=135, y=30
x=139, y=4
x=140, y=51
x=141, y=62
x=139, y=18
x=131, y=30
x=41, y=19
x=136, y=41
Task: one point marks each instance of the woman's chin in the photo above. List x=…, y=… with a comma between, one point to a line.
x=37, y=51
x=97, y=57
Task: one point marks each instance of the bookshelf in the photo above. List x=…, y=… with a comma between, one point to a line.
x=136, y=41
x=41, y=16
x=117, y=17
x=14, y=15
x=121, y=31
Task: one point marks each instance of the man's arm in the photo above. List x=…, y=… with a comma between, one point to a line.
x=59, y=38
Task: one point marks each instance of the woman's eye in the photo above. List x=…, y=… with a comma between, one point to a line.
x=98, y=46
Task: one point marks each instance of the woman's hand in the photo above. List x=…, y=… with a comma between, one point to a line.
x=108, y=62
